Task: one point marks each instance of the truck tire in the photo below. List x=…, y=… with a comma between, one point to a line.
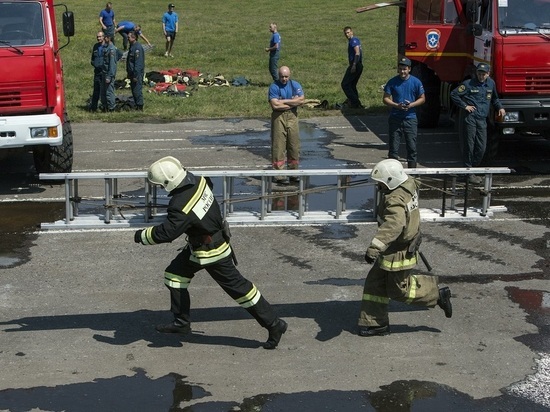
x=56, y=159
x=428, y=113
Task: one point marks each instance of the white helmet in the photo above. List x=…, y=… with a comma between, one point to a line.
x=167, y=172
x=389, y=172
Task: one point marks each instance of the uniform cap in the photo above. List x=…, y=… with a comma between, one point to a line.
x=405, y=61
x=483, y=67
x=171, y=5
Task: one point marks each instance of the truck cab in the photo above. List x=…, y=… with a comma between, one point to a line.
x=33, y=112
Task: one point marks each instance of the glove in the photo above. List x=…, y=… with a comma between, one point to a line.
x=371, y=255
x=137, y=236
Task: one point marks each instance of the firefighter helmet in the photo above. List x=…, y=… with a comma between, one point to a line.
x=167, y=172
x=389, y=172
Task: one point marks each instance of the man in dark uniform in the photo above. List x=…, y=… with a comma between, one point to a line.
x=97, y=62
x=394, y=253
x=476, y=96
x=193, y=210
x=108, y=75
x=135, y=68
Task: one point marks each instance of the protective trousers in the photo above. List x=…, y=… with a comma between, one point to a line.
x=285, y=137
x=475, y=140
x=181, y=270
x=381, y=286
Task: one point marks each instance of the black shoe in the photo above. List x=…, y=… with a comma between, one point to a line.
x=444, y=301
x=294, y=179
x=139, y=108
x=275, y=334
x=174, y=327
x=366, y=331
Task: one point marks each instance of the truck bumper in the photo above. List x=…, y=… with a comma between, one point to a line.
x=533, y=115
x=18, y=131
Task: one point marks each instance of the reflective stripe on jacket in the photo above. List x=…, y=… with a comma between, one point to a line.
x=399, y=223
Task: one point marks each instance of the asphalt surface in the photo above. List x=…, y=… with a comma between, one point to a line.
x=79, y=307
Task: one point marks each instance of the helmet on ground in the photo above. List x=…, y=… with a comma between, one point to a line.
x=167, y=172
x=389, y=172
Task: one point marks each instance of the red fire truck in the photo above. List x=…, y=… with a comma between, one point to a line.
x=446, y=39
x=32, y=96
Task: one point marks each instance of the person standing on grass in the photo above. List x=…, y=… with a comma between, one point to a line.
x=170, y=28
x=107, y=21
x=97, y=62
x=285, y=95
x=108, y=76
x=403, y=93
x=274, y=51
x=354, y=70
x=135, y=68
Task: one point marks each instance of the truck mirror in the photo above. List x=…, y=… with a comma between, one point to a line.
x=474, y=29
x=472, y=10
x=68, y=23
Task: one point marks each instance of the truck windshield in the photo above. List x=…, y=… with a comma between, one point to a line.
x=21, y=24
x=517, y=16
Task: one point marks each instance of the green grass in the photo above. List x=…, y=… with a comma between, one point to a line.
x=228, y=38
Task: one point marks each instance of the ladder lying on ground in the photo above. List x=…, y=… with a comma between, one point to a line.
x=264, y=200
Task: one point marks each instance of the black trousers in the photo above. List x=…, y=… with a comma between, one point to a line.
x=182, y=269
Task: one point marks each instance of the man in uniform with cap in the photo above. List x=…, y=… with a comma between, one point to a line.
x=403, y=93
x=476, y=96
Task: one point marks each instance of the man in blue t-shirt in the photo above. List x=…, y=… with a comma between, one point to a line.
x=354, y=70
x=125, y=27
x=403, y=93
x=285, y=96
x=170, y=26
x=107, y=21
x=274, y=51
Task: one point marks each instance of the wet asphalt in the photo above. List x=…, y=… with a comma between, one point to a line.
x=79, y=307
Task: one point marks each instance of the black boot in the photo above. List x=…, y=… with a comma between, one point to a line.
x=176, y=326
x=276, y=331
x=411, y=165
x=444, y=301
x=367, y=331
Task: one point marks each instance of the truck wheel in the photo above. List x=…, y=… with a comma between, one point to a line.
x=56, y=159
x=428, y=113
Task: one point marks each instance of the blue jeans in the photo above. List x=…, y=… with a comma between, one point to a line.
x=407, y=128
x=274, y=64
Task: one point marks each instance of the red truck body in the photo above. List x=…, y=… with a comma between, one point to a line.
x=446, y=39
x=32, y=96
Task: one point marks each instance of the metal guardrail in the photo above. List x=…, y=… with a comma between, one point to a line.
x=114, y=202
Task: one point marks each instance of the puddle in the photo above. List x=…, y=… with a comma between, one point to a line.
x=537, y=305
x=314, y=154
x=172, y=393
x=18, y=222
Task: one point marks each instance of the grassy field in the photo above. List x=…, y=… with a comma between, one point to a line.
x=228, y=38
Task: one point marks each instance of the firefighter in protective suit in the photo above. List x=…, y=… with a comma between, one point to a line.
x=193, y=210
x=394, y=253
